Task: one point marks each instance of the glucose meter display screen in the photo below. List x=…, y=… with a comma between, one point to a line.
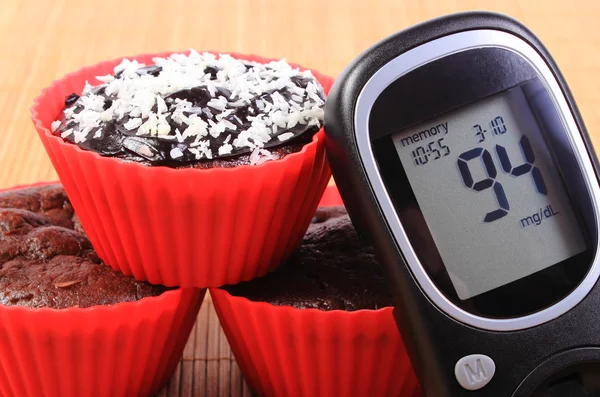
x=490, y=193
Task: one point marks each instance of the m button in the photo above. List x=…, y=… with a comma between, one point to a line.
x=475, y=371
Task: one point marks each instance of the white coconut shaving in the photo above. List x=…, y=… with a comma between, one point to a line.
x=285, y=136
x=55, y=124
x=176, y=153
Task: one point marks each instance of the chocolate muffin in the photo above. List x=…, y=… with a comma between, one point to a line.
x=332, y=270
x=46, y=261
x=196, y=110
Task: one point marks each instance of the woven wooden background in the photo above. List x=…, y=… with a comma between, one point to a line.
x=207, y=368
x=42, y=40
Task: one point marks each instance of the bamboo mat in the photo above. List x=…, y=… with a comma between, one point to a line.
x=44, y=39
x=208, y=367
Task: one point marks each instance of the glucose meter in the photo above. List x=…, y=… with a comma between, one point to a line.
x=460, y=153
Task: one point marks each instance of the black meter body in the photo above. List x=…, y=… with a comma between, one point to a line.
x=459, y=151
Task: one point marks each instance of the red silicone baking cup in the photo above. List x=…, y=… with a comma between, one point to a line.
x=284, y=351
x=127, y=349
x=185, y=227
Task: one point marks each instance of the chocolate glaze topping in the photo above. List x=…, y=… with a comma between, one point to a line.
x=209, y=118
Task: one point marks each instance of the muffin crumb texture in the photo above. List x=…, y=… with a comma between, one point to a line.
x=196, y=107
x=332, y=270
x=47, y=261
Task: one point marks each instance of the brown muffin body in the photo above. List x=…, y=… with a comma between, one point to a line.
x=332, y=270
x=48, y=200
x=45, y=261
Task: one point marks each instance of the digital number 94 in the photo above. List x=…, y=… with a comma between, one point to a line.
x=527, y=167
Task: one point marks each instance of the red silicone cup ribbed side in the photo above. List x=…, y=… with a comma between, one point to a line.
x=284, y=351
x=127, y=349
x=185, y=227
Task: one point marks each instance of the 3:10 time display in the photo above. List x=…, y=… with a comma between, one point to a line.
x=436, y=149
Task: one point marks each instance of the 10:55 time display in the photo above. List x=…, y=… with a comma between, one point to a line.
x=436, y=149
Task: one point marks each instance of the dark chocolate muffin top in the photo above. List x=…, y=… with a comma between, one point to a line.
x=193, y=108
x=332, y=270
x=46, y=260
